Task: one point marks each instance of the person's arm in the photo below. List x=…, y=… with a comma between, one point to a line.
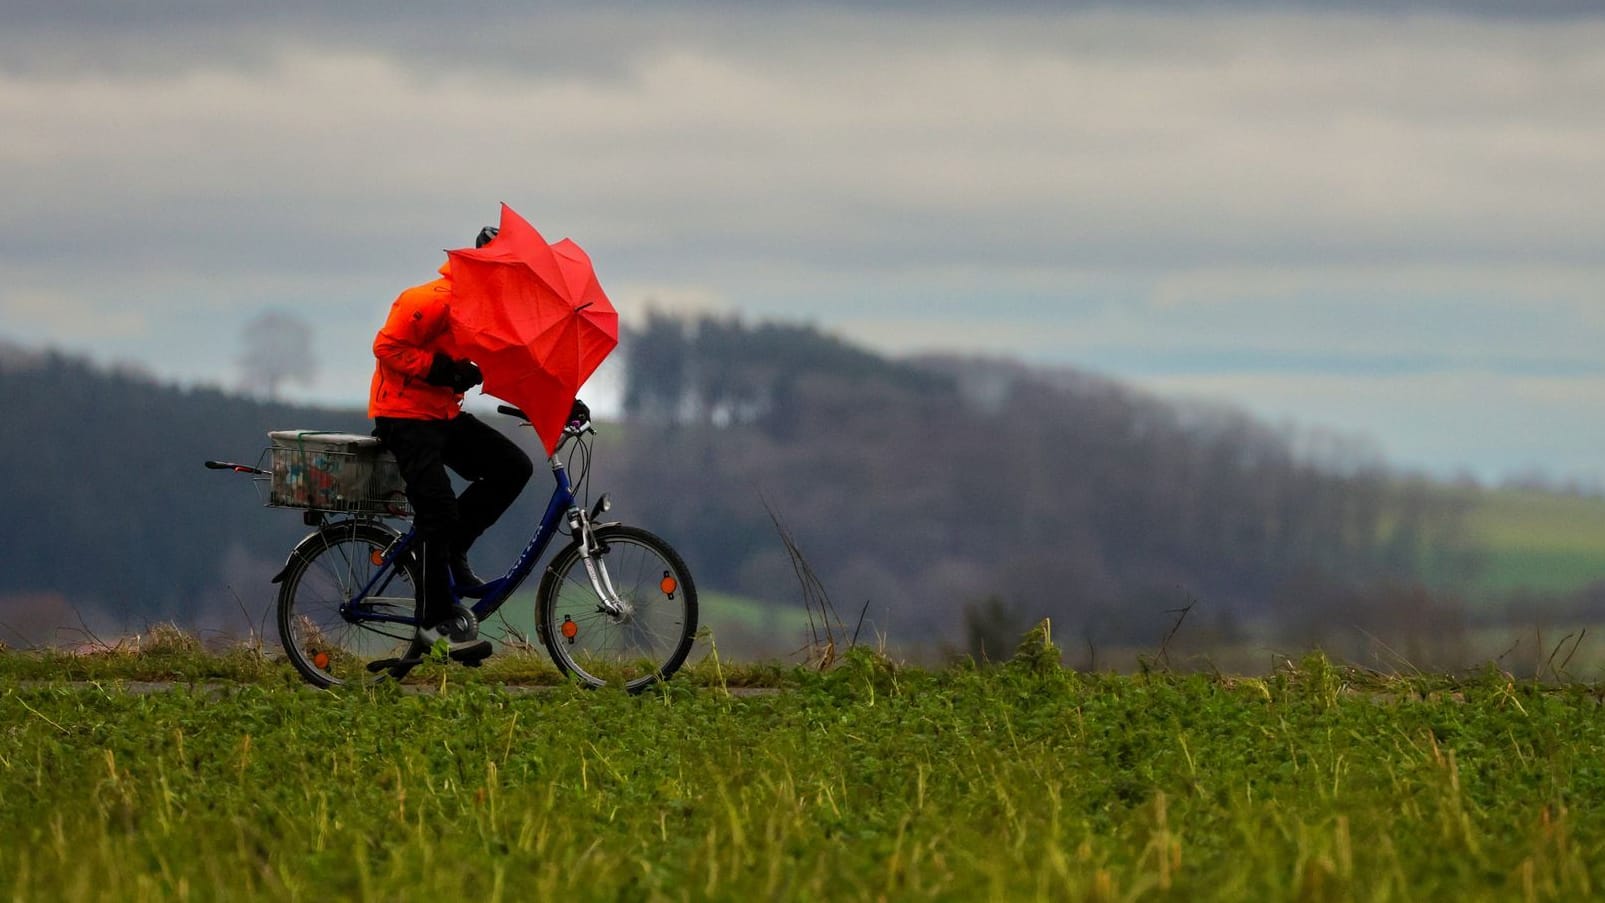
x=407, y=342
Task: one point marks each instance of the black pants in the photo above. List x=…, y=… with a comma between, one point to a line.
x=495, y=468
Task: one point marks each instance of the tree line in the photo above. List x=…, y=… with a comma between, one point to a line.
x=952, y=495
x=110, y=517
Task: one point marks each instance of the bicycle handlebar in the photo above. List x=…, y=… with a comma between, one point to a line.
x=572, y=428
x=237, y=468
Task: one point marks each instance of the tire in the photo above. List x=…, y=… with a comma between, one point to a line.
x=646, y=644
x=325, y=570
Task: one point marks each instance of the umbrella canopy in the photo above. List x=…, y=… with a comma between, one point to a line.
x=534, y=318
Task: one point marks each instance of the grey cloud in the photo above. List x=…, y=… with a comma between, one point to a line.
x=59, y=39
x=847, y=158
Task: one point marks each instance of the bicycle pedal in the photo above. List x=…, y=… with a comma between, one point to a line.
x=390, y=664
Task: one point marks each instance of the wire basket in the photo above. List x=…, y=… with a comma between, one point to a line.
x=324, y=471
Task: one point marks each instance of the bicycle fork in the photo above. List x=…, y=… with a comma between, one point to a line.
x=609, y=601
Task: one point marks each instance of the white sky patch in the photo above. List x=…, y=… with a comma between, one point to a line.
x=635, y=301
x=1573, y=289
x=1545, y=424
x=44, y=316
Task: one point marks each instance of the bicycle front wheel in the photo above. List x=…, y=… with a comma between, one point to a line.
x=626, y=621
x=328, y=637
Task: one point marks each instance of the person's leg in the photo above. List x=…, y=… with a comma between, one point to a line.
x=419, y=447
x=496, y=469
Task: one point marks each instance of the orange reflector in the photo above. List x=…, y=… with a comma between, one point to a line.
x=377, y=557
x=570, y=629
x=668, y=584
x=321, y=660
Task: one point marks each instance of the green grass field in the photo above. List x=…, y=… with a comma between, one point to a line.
x=868, y=782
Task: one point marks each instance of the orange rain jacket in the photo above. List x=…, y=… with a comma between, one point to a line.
x=405, y=348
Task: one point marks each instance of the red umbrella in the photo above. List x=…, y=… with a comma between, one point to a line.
x=534, y=318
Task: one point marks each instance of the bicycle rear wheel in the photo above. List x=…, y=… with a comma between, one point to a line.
x=330, y=646
x=646, y=639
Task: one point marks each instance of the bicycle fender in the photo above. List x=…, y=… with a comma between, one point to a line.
x=297, y=552
x=300, y=550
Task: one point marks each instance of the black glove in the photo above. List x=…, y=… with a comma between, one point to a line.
x=580, y=412
x=440, y=370
x=459, y=376
x=465, y=375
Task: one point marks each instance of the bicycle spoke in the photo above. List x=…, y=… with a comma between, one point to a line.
x=644, y=633
x=328, y=643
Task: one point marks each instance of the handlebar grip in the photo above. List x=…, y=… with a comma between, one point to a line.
x=511, y=411
x=237, y=468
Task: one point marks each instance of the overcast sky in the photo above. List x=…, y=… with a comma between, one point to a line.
x=1386, y=219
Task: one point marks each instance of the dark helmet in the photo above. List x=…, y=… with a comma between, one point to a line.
x=485, y=235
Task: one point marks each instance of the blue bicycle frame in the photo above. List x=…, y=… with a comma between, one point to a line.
x=490, y=597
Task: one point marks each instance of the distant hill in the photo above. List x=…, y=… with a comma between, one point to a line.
x=16, y=356
x=944, y=491
x=109, y=515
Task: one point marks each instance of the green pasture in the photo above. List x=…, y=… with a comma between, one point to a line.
x=867, y=782
x=1537, y=541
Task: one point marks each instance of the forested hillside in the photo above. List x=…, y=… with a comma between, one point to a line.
x=953, y=492
x=107, y=511
x=951, y=500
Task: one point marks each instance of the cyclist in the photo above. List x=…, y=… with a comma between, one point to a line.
x=416, y=405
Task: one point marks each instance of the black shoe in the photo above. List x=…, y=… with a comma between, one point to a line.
x=462, y=575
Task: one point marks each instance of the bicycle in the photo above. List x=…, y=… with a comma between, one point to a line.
x=616, y=606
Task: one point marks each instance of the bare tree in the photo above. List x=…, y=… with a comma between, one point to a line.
x=277, y=350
